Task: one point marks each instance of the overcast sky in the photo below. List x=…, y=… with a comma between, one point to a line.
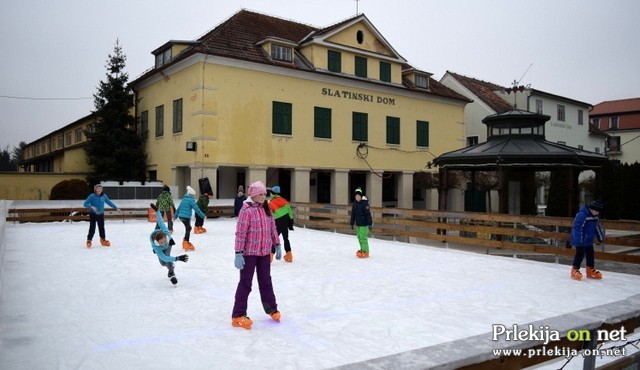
x=54, y=52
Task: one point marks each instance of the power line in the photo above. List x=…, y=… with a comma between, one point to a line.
x=41, y=98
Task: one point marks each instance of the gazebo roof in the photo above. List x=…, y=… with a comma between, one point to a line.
x=529, y=150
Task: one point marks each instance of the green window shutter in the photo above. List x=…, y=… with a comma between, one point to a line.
x=322, y=122
x=393, y=130
x=385, y=72
x=281, y=118
x=144, y=124
x=177, y=116
x=160, y=121
x=422, y=133
x=334, y=61
x=360, y=123
x=361, y=66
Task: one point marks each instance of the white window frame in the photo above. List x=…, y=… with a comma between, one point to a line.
x=422, y=81
x=280, y=52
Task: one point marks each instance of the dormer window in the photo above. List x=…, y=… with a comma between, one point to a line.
x=422, y=81
x=279, y=52
x=163, y=57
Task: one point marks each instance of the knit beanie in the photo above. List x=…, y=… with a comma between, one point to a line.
x=190, y=191
x=257, y=188
x=358, y=191
x=275, y=189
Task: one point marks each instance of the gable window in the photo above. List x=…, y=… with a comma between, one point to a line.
x=539, y=106
x=281, y=118
x=334, y=62
x=472, y=140
x=163, y=57
x=613, y=123
x=279, y=52
x=580, y=117
x=361, y=66
x=159, y=120
x=393, y=130
x=422, y=133
x=177, y=116
x=322, y=122
x=360, y=121
x=561, y=112
x=144, y=124
x=422, y=81
x=385, y=72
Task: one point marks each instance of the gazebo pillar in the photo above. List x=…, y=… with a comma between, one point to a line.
x=502, y=191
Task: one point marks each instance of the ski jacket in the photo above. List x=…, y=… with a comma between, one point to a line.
x=160, y=249
x=361, y=214
x=188, y=204
x=203, y=202
x=165, y=202
x=97, y=201
x=280, y=207
x=256, y=232
x=586, y=228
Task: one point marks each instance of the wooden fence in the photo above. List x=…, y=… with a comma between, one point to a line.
x=539, y=234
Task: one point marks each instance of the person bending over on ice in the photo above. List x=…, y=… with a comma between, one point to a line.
x=166, y=206
x=161, y=242
x=586, y=228
x=185, y=209
x=361, y=217
x=203, y=205
x=95, y=203
x=256, y=233
x=283, y=215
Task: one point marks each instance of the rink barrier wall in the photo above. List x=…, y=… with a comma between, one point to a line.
x=477, y=352
x=3, y=223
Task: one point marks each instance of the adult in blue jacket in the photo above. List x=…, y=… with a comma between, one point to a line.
x=586, y=229
x=184, y=212
x=95, y=203
x=161, y=242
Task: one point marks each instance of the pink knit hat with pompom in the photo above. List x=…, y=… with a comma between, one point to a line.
x=257, y=188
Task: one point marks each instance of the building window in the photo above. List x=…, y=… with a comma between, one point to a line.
x=597, y=149
x=60, y=142
x=159, y=120
x=361, y=66
x=472, y=140
x=91, y=128
x=580, y=117
x=580, y=147
x=422, y=133
x=393, y=130
x=595, y=122
x=163, y=58
x=613, y=143
x=78, y=135
x=422, y=81
x=613, y=123
x=144, y=124
x=282, y=118
x=562, y=143
x=561, y=112
x=359, y=126
x=385, y=71
x=67, y=139
x=322, y=122
x=177, y=116
x=334, y=61
x=539, y=106
x=279, y=52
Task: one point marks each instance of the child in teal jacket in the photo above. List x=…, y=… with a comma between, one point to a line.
x=161, y=242
x=187, y=206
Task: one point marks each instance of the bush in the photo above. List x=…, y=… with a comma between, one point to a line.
x=70, y=189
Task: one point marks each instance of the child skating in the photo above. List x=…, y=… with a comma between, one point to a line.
x=203, y=205
x=184, y=212
x=283, y=215
x=586, y=228
x=161, y=243
x=361, y=217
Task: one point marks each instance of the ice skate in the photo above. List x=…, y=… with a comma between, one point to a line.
x=593, y=273
x=197, y=230
x=288, y=257
x=576, y=274
x=276, y=316
x=202, y=230
x=187, y=246
x=88, y=244
x=172, y=278
x=105, y=242
x=361, y=254
x=242, y=322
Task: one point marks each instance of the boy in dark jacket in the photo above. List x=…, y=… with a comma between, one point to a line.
x=283, y=215
x=203, y=205
x=240, y=198
x=166, y=206
x=586, y=228
x=361, y=217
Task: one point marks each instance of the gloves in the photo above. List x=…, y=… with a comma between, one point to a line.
x=239, y=261
x=278, y=252
x=291, y=224
x=183, y=258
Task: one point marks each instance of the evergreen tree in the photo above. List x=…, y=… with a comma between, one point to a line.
x=17, y=154
x=115, y=151
x=5, y=161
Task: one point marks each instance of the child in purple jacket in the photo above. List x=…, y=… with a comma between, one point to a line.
x=256, y=234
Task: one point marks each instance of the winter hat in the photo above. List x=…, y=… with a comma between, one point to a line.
x=166, y=188
x=596, y=205
x=96, y=186
x=190, y=191
x=257, y=188
x=359, y=191
x=275, y=189
x=240, y=189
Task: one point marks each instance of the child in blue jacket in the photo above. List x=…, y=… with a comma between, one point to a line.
x=586, y=228
x=161, y=242
x=95, y=203
x=187, y=206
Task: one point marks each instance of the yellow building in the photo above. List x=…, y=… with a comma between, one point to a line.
x=317, y=111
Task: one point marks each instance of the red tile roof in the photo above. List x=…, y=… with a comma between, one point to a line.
x=485, y=91
x=616, y=106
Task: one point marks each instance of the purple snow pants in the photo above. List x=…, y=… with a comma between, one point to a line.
x=262, y=265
